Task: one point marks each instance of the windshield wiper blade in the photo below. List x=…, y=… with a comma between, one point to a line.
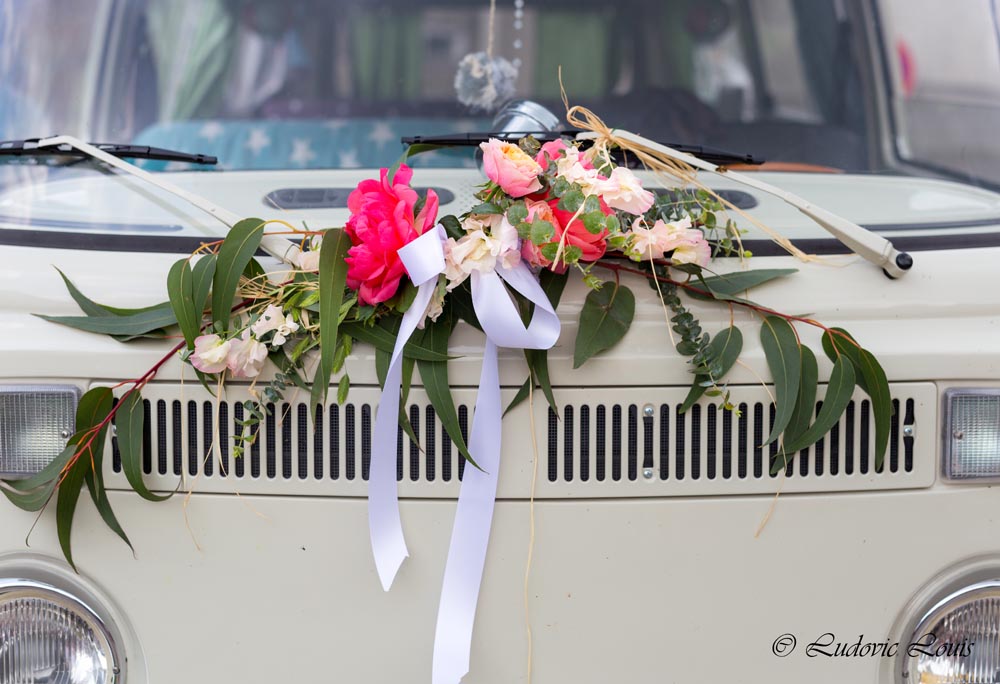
x=709, y=154
x=30, y=148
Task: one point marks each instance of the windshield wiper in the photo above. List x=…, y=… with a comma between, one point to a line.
x=711, y=155
x=31, y=148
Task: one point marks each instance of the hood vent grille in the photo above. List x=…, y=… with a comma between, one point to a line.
x=630, y=443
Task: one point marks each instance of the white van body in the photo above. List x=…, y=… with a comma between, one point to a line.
x=692, y=572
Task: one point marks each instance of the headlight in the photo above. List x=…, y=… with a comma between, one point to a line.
x=36, y=420
x=47, y=635
x=958, y=640
x=971, y=434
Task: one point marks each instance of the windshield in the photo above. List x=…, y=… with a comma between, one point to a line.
x=305, y=84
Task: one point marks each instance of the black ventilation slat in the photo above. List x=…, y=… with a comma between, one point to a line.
x=741, y=440
x=893, y=460
x=695, y=441
x=430, y=443
x=600, y=450
x=865, y=426
x=177, y=425
x=287, y=427
x=366, y=441
x=463, y=426
x=908, y=419
x=758, y=440
x=116, y=455
x=727, y=443
x=223, y=438
x=584, y=442
x=192, y=435
x=302, y=420
x=819, y=448
x=147, y=438
x=161, y=437
x=399, y=452
x=208, y=439
x=712, y=442
x=833, y=456
x=414, y=447
x=318, y=441
x=648, y=430
x=256, y=435
x=333, y=439
x=664, y=442
x=239, y=463
x=772, y=451
x=271, y=444
x=616, y=442
x=350, y=442
x=447, y=455
x=569, y=432
x=680, y=420
x=848, y=450
x=633, y=442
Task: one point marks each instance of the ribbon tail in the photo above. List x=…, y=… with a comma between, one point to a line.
x=470, y=536
x=384, y=524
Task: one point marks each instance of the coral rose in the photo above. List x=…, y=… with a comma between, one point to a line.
x=510, y=167
x=381, y=222
x=592, y=245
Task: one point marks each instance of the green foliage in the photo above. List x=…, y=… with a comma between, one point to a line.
x=123, y=327
x=605, y=318
x=725, y=287
x=838, y=395
x=541, y=231
x=712, y=362
x=781, y=349
x=332, y=281
x=234, y=256
x=129, y=419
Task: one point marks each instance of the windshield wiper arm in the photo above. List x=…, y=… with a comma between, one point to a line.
x=711, y=155
x=31, y=148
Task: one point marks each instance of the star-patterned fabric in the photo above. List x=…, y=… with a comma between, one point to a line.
x=307, y=144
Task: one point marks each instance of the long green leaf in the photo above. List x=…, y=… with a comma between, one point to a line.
x=332, y=281
x=92, y=308
x=434, y=375
x=234, y=255
x=32, y=493
x=521, y=396
x=805, y=403
x=99, y=495
x=180, y=284
x=871, y=378
x=732, y=284
x=382, y=339
x=67, y=497
x=129, y=420
x=605, y=318
x=781, y=348
x=726, y=347
x=137, y=324
x=201, y=284
x=838, y=395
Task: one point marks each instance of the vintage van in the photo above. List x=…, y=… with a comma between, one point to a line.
x=662, y=549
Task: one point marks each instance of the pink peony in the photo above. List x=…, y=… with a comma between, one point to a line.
x=510, y=167
x=210, y=353
x=381, y=222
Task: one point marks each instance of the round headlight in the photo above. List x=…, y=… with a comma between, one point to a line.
x=47, y=635
x=958, y=640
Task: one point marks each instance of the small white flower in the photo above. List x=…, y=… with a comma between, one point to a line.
x=274, y=319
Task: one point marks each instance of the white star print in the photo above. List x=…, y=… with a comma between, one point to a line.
x=211, y=130
x=334, y=124
x=258, y=140
x=302, y=152
x=349, y=159
x=381, y=134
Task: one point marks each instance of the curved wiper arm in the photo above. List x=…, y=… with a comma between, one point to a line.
x=714, y=156
x=31, y=148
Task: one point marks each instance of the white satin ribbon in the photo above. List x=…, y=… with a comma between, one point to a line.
x=424, y=260
x=501, y=321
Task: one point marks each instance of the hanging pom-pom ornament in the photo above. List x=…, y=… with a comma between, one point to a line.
x=483, y=82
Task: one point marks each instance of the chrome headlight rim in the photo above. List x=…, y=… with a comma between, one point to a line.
x=17, y=588
x=58, y=576
x=953, y=579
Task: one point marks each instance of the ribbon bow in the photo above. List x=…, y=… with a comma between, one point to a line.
x=501, y=321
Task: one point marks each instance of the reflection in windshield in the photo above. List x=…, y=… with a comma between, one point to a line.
x=301, y=84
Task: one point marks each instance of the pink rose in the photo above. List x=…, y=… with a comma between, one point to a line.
x=510, y=167
x=381, y=222
x=210, y=353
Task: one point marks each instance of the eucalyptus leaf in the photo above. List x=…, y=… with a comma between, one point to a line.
x=805, y=403
x=136, y=324
x=838, y=395
x=732, y=284
x=332, y=281
x=180, y=290
x=434, y=375
x=781, y=349
x=725, y=348
x=67, y=497
x=380, y=338
x=129, y=420
x=92, y=308
x=234, y=256
x=605, y=318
